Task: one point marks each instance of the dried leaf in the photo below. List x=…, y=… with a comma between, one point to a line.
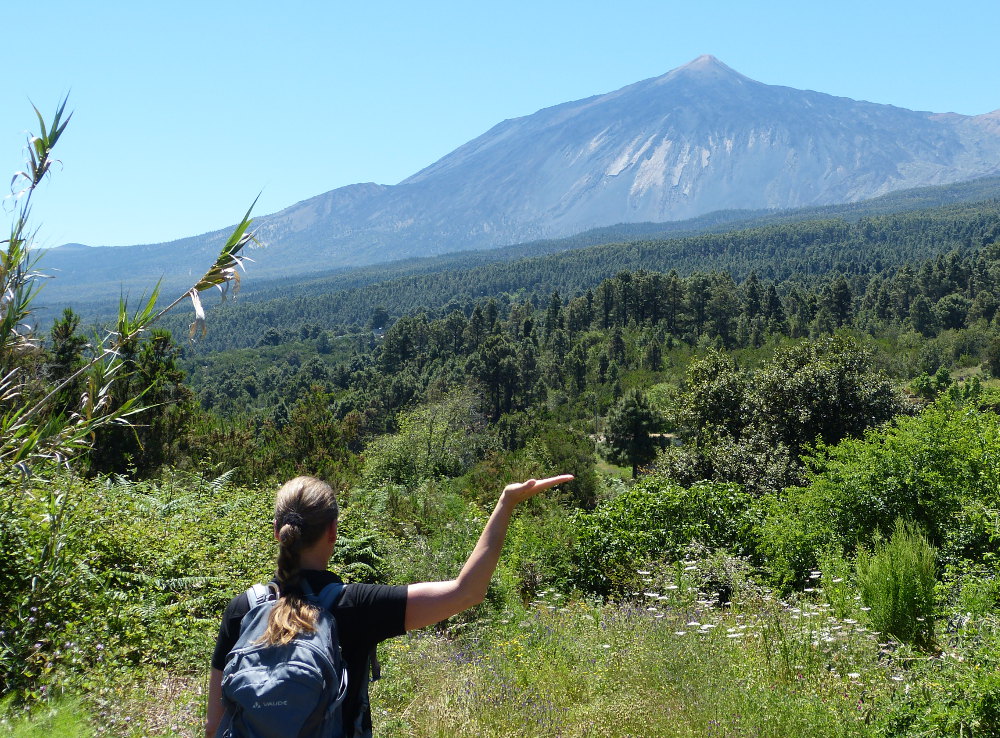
x=199, y=316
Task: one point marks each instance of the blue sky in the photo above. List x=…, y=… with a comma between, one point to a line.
x=184, y=111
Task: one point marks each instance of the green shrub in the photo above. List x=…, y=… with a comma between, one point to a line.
x=928, y=387
x=970, y=592
x=540, y=549
x=656, y=520
x=434, y=440
x=565, y=450
x=106, y=574
x=939, y=469
x=896, y=580
x=835, y=576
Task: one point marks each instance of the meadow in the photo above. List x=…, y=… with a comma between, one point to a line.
x=703, y=643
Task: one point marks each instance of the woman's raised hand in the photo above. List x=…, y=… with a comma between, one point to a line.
x=520, y=491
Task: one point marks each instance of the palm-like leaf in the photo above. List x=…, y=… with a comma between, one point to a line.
x=32, y=431
x=224, y=270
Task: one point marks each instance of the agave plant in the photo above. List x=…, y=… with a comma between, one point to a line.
x=31, y=429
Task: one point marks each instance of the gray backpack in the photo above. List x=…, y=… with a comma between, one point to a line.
x=297, y=689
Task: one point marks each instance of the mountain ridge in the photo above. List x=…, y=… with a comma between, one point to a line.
x=698, y=139
x=976, y=193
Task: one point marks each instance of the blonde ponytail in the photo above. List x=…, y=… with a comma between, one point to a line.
x=303, y=510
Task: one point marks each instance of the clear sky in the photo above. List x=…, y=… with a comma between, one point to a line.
x=184, y=111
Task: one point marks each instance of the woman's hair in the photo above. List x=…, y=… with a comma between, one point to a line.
x=303, y=511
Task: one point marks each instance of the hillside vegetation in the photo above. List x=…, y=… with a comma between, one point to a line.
x=804, y=254
x=96, y=299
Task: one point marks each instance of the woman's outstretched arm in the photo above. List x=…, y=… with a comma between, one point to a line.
x=431, y=602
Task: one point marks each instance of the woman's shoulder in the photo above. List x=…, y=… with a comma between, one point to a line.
x=370, y=613
x=358, y=594
x=238, y=607
x=354, y=591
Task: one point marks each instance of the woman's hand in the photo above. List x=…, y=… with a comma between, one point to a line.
x=431, y=602
x=521, y=491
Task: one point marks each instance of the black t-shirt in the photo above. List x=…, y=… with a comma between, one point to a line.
x=366, y=615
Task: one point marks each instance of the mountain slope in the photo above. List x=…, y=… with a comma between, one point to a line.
x=697, y=139
x=802, y=252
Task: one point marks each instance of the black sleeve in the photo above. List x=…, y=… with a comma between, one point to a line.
x=229, y=630
x=372, y=612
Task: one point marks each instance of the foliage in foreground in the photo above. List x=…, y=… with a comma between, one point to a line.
x=52, y=407
x=104, y=598
x=103, y=576
x=665, y=663
x=939, y=469
x=655, y=522
x=668, y=659
x=62, y=718
x=663, y=667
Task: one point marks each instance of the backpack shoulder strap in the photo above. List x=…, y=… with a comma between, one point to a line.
x=258, y=594
x=329, y=594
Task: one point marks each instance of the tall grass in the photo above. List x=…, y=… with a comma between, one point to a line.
x=60, y=719
x=640, y=669
x=896, y=580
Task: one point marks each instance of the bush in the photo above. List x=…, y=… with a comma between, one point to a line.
x=105, y=574
x=896, y=580
x=567, y=451
x=656, y=520
x=939, y=469
x=434, y=440
x=971, y=591
x=539, y=549
x=752, y=427
x=929, y=387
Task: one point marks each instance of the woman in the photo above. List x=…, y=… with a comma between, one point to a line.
x=305, y=525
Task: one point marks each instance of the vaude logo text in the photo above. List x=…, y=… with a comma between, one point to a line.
x=273, y=703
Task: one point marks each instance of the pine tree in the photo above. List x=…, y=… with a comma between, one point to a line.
x=630, y=426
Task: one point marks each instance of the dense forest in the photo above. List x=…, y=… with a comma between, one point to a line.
x=801, y=253
x=784, y=517
x=573, y=358
x=93, y=301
